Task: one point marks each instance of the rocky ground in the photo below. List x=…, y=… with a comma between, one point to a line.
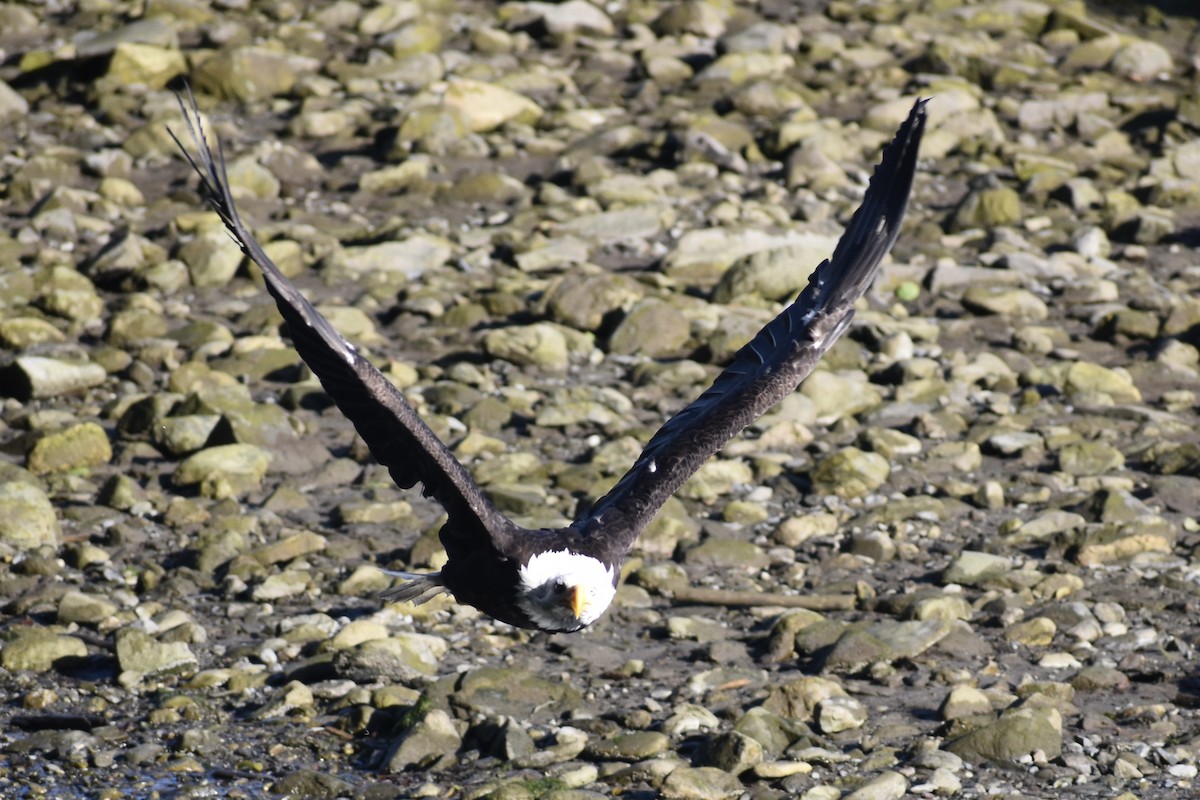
x=960, y=561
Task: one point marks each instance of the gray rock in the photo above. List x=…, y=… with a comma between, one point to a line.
x=837, y=714
x=1142, y=60
x=973, y=568
x=635, y=746
x=401, y=656
x=700, y=783
x=798, y=699
x=250, y=73
x=732, y=752
x=429, y=744
x=140, y=653
x=775, y=274
x=1090, y=458
x=34, y=377
x=281, y=585
x=411, y=257
x=87, y=609
x=652, y=328
x=513, y=692
x=571, y=18
x=541, y=344
x=1016, y=734
x=1005, y=301
x=185, y=434
x=964, y=701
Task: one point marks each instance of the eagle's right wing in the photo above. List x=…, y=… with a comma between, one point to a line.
x=398, y=438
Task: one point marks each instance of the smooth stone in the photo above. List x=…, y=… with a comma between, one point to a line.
x=77, y=447
x=39, y=650
x=27, y=518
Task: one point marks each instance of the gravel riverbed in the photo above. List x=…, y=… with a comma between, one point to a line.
x=961, y=561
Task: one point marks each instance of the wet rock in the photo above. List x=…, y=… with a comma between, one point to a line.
x=309, y=783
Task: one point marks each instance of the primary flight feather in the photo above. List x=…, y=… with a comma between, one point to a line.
x=564, y=579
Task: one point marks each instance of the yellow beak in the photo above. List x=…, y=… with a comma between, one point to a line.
x=577, y=601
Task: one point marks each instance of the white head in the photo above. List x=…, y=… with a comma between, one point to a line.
x=564, y=591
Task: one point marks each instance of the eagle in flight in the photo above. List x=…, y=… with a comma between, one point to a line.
x=562, y=580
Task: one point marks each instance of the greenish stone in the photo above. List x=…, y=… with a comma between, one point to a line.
x=140, y=652
x=39, y=651
x=77, y=447
x=850, y=472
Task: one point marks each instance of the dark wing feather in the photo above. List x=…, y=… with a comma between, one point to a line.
x=399, y=439
x=774, y=363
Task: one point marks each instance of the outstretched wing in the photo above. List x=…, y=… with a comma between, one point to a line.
x=398, y=438
x=774, y=363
